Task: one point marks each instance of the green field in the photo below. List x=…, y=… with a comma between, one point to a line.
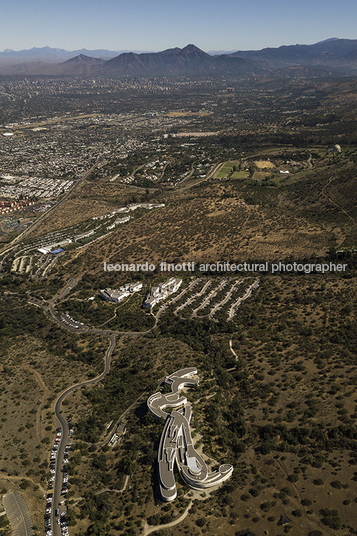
x=225, y=170
x=240, y=175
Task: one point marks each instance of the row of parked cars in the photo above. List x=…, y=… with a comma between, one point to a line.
x=53, y=457
x=48, y=512
x=62, y=521
x=48, y=526
x=66, y=460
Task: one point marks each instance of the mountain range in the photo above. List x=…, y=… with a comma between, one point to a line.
x=333, y=57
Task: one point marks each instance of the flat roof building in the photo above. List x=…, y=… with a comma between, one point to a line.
x=79, y=237
x=119, y=294
x=162, y=291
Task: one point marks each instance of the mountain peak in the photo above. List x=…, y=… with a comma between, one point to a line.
x=328, y=40
x=83, y=57
x=192, y=49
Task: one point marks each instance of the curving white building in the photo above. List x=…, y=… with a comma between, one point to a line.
x=176, y=444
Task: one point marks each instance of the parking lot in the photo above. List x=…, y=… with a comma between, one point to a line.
x=18, y=514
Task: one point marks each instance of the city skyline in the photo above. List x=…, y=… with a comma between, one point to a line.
x=229, y=25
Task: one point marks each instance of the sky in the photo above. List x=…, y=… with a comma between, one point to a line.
x=154, y=25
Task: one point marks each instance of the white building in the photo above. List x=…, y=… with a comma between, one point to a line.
x=83, y=235
x=162, y=291
x=118, y=295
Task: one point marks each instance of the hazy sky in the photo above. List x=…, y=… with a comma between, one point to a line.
x=154, y=25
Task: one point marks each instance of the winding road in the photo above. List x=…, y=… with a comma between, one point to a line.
x=48, y=308
x=61, y=423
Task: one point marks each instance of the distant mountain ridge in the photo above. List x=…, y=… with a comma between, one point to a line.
x=330, y=57
x=50, y=55
x=188, y=61
x=338, y=53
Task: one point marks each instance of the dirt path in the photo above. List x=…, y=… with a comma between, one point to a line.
x=109, y=490
x=112, y=318
x=245, y=221
x=105, y=490
x=12, y=480
x=231, y=348
x=333, y=202
x=39, y=379
x=311, y=519
x=46, y=394
x=148, y=530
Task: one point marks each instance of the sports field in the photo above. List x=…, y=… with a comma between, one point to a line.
x=240, y=175
x=227, y=168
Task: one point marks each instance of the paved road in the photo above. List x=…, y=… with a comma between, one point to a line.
x=196, y=182
x=220, y=304
x=209, y=297
x=73, y=281
x=62, y=423
x=48, y=308
x=18, y=514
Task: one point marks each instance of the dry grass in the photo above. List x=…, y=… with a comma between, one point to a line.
x=208, y=229
x=264, y=164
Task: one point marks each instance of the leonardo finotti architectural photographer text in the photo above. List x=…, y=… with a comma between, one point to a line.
x=227, y=267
